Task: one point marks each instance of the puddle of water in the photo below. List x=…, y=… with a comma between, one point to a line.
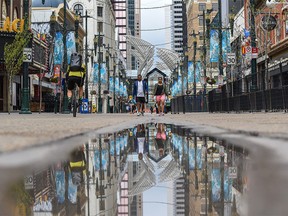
x=152, y=169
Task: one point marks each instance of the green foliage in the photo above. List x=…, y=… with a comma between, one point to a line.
x=13, y=53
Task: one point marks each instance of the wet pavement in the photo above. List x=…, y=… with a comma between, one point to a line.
x=114, y=164
x=148, y=169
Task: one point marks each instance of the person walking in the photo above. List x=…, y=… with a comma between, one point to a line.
x=140, y=91
x=160, y=92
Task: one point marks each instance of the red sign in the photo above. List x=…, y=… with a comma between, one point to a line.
x=254, y=52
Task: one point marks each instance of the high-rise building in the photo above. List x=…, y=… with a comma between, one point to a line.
x=128, y=22
x=177, y=26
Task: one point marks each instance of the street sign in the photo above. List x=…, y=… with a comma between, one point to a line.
x=232, y=174
x=269, y=22
x=27, y=54
x=231, y=58
x=254, y=53
x=28, y=182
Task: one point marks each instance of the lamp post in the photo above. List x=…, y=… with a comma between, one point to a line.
x=99, y=74
x=108, y=77
x=77, y=19
x=220, y=38
x=205, y=24
x=25, y=107
x=114, y=87
x=86, y=54
x=253, y=45
x=194, y=66
x=65, y=98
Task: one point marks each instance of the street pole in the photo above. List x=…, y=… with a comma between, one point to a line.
x=77, y=17
x=114, y=87
x=99, y=75
x=108, y=79
x=194, y=67
x=220, y=38
x=25, y=106
x=65, y=98
x=86, y=56
x=204, y=61
x=253, y=45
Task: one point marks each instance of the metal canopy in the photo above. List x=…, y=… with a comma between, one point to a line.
x=169, y=57
x=143, y=51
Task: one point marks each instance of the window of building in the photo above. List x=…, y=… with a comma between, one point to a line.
x=100, y=11
x=215, y=6
x=100, y=26
x=201, y=20
x=78, y=9
x=202, y=6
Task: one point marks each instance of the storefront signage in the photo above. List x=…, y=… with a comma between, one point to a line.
x=269, y=22
x=16, y=25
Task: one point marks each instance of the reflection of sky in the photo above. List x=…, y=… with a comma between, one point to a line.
x=155, y=194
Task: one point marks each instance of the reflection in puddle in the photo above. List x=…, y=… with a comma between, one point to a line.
x=189, y=174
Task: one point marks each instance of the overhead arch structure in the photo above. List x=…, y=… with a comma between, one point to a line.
x=143, y=51
x=169, y=57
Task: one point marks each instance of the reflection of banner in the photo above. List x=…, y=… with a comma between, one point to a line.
x=214, y=46
x=42, y=205
x=58, y=49
x=111, y=84
x=185, y=83
x=95, y=73
x=71, y=46
x=72, y=191
x=216, y=186
x=125, y=91
x=192, y=158
x=190, y=71
x=104, y=157
x=112, y=147
x=103, y=74
x=60, y=186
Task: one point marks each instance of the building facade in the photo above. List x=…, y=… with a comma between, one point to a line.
x=177, y=26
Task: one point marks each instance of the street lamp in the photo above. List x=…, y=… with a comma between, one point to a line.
x=25, y=108
x=100, y=43
x=194, y=65
x=108, y=75
x=77, y=20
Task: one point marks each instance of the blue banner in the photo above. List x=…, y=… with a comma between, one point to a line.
x=190, y=71
x=214, y=46
x=111, y=84
x=71, y=45
x=58, y=49
x=198, y=71
x=95, y=73
x=121, y=89
x=103, y=74
x=226, y=47
x=117, y=85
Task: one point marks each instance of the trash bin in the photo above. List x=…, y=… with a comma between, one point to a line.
x=84, y=108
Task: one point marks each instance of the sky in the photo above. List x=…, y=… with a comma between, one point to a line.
x=153, y=18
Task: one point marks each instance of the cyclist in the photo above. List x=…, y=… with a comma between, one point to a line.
x=73, y=77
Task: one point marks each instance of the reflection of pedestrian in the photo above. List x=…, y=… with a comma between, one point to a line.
x=140, y=91
x=160, y=139
x=140, y=145
x=77, y=165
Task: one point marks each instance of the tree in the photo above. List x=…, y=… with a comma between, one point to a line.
x=13, y=56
